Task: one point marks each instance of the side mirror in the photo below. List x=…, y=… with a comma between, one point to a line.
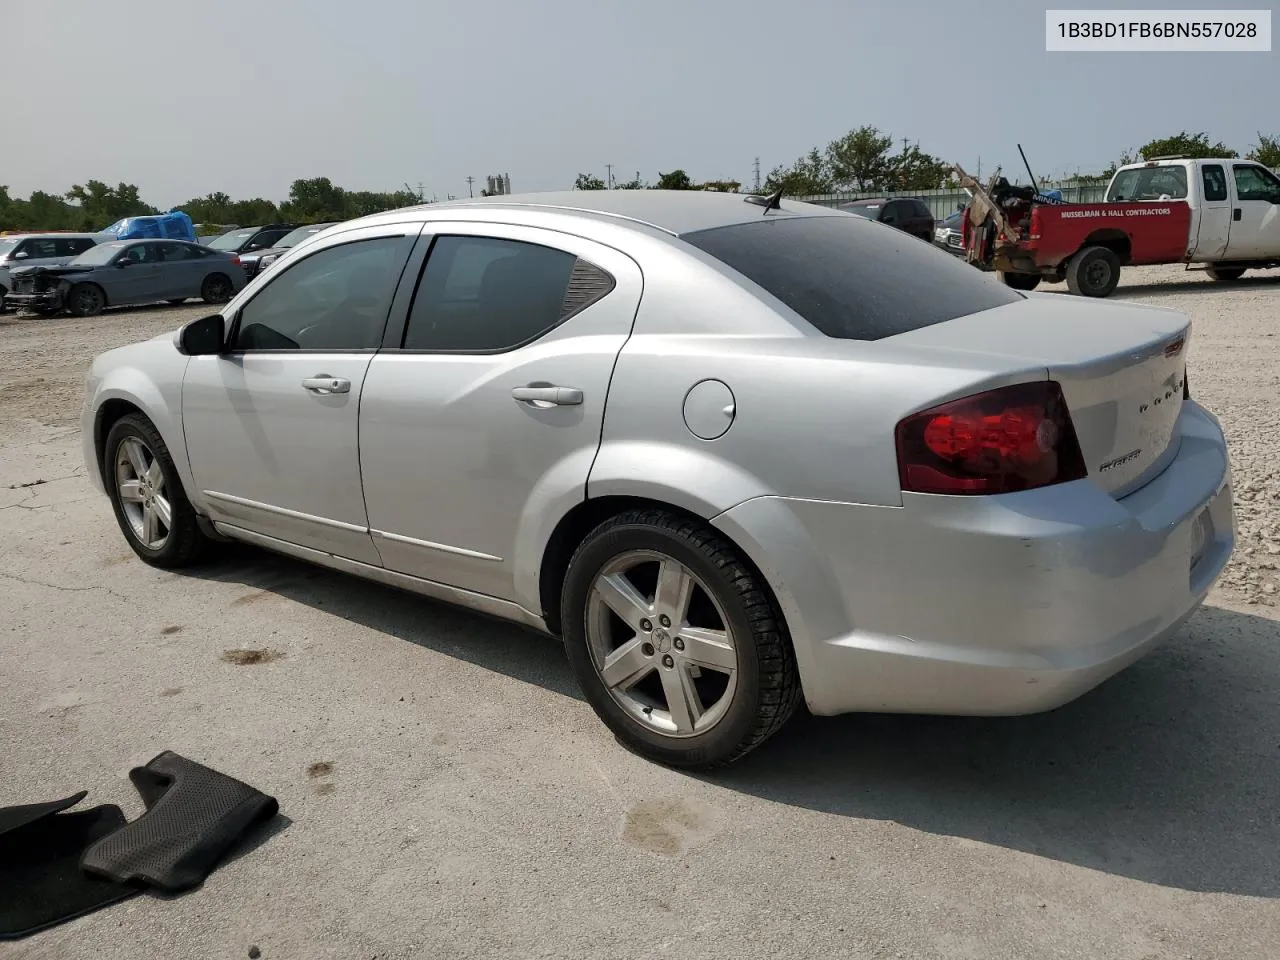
x=122, y=262
x=203, y=337
x=21, y=255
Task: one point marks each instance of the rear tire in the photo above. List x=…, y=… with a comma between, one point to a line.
x=1020, y=281
x=719, y=657
x=141, y=480
x=1224, y=274
x=216, y=288
x=85, y=300
x=1093, y=272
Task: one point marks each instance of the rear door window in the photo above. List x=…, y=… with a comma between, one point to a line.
x=849, y=280
x=1215, y=183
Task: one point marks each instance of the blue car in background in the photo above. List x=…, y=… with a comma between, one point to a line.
x=128, y=272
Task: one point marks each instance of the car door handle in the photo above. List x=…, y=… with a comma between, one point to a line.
x=548, y=396
x=326, y=385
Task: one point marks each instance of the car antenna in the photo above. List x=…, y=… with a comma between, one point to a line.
x=772, y=202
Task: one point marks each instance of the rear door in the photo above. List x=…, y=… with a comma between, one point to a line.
x=134, y=275
x=481, y=418
x=1215, y=213
x=1255, y=227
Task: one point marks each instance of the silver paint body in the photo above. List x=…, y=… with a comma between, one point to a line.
x=428, y=475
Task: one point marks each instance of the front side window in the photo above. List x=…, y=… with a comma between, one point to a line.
x=1255, y=183
x=488, y=295
x=847, y=279
x=40, y=248
x=335, y=299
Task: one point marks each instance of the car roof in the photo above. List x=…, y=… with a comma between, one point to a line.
x=51, y=233
x=675, y=212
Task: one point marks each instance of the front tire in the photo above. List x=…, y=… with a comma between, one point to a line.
x=216, y=288
x=1224, y=274
x=147, y=496
x=677, y=645
x=1093, y=272
x=85, y=300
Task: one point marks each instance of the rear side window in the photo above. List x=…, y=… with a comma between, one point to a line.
x=489, y=295
x=850, y=279
x=1215, y=183
x=1149, y=183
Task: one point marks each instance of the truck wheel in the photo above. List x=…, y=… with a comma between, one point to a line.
x=1020, y=281
x=1224, y=274
x=1093, y=272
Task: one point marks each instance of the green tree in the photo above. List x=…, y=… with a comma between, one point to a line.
x=1194, y=145
x=101, y=205
x=675, y=180
x=1267, y=152
x=587, y=181
x=807, y=176
x=636, y=184
x=314, y=200
x=860, y=159
x=915, y=170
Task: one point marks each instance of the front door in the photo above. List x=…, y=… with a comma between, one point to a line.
x=1255, y=227
x=479, y=424
x=1215, y=213
x=272, y=425
x=134, y=275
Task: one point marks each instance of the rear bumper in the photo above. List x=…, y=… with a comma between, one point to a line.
x=991, y=605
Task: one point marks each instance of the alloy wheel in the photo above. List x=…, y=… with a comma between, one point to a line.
x=661, y=643
x=143, y=497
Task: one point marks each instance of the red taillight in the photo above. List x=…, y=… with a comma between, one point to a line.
x=1033, y=231
x=1014, y=438
x=235, y=258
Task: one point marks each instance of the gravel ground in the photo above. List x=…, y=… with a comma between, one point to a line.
x=446, y=793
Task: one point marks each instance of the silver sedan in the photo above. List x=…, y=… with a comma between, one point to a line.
x=737, y=452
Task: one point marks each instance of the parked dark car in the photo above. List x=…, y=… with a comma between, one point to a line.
x=260, y=259
x=908, y=214
x=127, y=272
x=248, y=239
x=32, y=249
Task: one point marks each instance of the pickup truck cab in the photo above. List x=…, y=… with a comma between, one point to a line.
x=1223, y=213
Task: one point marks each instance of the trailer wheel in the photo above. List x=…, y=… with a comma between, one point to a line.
x=1224, y=274
x=1020, y=281
x=1093, y=272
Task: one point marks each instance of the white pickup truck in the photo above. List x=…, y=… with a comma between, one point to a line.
x=1224, y=213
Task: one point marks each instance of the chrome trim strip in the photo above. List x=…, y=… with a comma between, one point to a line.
x=429, y=545
x=283, y=512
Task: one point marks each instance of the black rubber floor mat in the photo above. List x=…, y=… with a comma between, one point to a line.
x=195, y=816
x=41, y=883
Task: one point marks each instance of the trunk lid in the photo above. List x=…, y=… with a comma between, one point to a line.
x=1122, y=369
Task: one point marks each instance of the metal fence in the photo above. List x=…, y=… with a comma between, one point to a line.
x=946, y=202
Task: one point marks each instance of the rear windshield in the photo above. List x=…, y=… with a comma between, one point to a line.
x=1149, y=183
x=853, y=279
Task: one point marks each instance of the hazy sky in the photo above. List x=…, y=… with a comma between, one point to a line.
x=185, y=97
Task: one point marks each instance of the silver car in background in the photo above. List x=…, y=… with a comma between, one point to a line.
x=735, y=452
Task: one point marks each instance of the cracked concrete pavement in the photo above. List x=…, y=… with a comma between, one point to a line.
x=445, y=792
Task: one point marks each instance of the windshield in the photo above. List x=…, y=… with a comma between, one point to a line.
x=8, y=243
x=295, y=238
x=1149, y=183
x=99, y=255
x=853, y=280
x=231, y=241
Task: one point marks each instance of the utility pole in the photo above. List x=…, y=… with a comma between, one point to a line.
x=905, y=141
x=756, y=167
x=608, y=176
x=470, y=192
